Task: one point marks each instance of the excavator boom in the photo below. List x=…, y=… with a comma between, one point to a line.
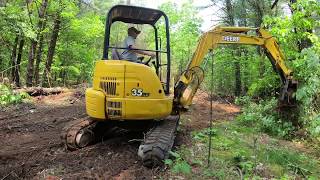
x=189, y=81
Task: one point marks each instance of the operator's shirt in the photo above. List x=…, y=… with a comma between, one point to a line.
x=129, y=54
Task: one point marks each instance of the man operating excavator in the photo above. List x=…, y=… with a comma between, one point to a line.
x=131, y=51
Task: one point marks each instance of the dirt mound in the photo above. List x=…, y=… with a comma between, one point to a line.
x=31, y=146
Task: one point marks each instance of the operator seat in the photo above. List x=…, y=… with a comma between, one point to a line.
x=115, y=55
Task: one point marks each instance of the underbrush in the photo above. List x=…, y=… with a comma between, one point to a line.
x=265, y=117
x=307, y=67
x=240, y=152
x=7, y=96
x=265, y=114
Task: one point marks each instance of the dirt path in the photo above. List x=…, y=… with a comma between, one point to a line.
x=30, y=145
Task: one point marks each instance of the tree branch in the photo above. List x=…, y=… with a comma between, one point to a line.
x=274, y=4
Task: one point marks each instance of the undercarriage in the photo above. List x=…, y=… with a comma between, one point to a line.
x=155, y=147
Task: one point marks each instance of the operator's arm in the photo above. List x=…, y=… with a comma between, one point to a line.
x=152, y=54
x=129, y=43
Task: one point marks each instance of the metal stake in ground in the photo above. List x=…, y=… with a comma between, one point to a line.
x=210, y=120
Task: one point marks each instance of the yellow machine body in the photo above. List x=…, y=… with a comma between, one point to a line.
x=124, y=90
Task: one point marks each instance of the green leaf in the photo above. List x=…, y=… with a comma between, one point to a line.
x=174, y=154
x=168, y=162
x=182, y=167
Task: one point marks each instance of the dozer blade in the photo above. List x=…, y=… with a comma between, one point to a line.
x=83, y=132
x=78, y=133
x=158, y=142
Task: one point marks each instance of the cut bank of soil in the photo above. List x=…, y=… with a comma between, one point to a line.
x=31, y=147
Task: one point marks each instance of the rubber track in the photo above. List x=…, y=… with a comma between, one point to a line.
x=159, y=141
x=70, y=132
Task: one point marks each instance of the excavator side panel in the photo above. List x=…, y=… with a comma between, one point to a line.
x=125, y=90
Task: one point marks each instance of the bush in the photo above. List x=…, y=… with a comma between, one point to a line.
x=264, y=117
x=179, y=165
x=307, y=66
x=264, y=87
x=7, y=96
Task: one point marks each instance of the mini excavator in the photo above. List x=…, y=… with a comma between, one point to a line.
x=136, y=95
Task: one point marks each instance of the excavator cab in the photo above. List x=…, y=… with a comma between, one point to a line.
x=124, y=90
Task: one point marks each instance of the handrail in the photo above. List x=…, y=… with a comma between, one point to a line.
x=137, y=49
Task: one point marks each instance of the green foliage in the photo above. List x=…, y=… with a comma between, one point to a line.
x=264, y=117
x=307, y=66
x=292, y=32
x=266, y=86
x=243, y=100
x=179, y=165
x=184, y=32
x=8, y=97
x=242, y=151
x=80, y=39
x=258, y=79
x=182, y=167
x=204, y=134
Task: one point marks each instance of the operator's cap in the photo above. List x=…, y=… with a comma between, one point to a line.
x=133, y=29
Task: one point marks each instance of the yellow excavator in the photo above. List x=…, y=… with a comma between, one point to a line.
x=137, y=95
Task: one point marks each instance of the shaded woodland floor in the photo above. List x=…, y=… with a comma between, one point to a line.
x=31, y=146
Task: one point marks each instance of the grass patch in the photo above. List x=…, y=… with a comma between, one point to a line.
x=241, y=152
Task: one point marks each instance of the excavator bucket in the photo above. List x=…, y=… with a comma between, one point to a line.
x=287, y=97
x=184, y=92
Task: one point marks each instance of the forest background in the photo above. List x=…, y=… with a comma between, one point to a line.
x=55, y=43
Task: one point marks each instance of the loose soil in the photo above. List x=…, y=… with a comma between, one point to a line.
x=31, y=148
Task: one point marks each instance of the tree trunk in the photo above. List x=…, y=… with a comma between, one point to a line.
x=229, y=13
x=62, y=75
x=30, y=63
x=17, y=70
x=14, y=57
x=274, y=4
x=259, y=18
x=261, y=61
x=237, y=73
x=229, y=10
x=259, y=9
x=33, y=46
x=39, y=91
x=51, y=49
x=259, y=14
x=39, y=56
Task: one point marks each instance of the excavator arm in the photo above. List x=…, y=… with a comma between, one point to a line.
x=189, y=81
